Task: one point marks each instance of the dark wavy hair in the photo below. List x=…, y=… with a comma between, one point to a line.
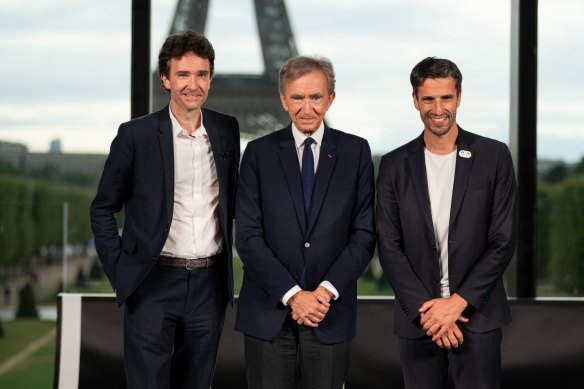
x=175, y=46
x=432, y=67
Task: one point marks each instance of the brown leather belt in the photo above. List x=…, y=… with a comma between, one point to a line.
x=186, y=263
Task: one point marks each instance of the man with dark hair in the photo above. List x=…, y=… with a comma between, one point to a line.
x=305, y=232
x=446, y=224
x=173, y=172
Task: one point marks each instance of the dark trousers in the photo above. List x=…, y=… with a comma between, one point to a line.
x=294, y=359
x=475, y=364
x=172, y=326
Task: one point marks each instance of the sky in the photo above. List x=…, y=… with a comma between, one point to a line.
x=66, y=65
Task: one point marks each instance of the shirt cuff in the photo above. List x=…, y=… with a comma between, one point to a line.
x=289, y=294
x=331, y=289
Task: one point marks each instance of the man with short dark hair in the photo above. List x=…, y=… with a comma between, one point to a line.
x=305, y=232
x=446, y=224
x=173, y=172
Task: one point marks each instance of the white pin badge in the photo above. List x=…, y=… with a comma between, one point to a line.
x=465, y=153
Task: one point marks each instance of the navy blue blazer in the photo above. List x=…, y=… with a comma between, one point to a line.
x=138, y=176
x=482, y=231
x=276, y=241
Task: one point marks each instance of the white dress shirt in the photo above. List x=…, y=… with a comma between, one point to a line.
x=195, y=231
x=299, y=139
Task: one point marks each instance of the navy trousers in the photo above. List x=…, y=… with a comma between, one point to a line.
x=296, y=359
x=172, y=326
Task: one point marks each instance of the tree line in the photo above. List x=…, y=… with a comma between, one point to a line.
x=31, y=216
x=560, y=227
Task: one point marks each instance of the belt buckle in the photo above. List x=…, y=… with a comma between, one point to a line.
x=189, y=267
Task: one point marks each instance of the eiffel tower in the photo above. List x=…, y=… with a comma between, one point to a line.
x=253, y=99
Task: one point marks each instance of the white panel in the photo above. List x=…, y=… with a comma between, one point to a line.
x=70, y=341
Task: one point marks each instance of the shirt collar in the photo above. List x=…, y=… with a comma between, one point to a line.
x=299, y=137
x=177, y=128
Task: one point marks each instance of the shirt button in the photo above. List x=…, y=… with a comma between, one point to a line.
x=307, y=245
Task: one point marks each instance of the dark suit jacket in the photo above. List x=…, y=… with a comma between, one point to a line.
x=275, y=241
x=482, y=232
x=139, y=177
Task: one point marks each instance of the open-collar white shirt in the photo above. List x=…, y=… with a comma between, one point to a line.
x=195, y=231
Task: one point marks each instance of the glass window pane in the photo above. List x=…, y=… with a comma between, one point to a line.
x=560, y=221
x=65, y=90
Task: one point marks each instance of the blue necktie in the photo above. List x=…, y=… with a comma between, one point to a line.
x=307, y=175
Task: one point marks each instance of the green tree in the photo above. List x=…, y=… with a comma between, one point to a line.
x=81, y=282
x=579, y=168
x=556, y=173
x=27, y=306
x=96, y=272
x=31, y=217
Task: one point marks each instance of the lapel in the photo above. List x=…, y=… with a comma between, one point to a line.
x=465, y=142
x=288, y=158
x=326, y=162
x=417, y=165
x=167, y=152
x=214, y=138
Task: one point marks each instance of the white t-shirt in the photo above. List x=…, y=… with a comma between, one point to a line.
x=440, y=173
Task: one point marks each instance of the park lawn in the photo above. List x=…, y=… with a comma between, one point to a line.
x=19, y=333
x=34, y=372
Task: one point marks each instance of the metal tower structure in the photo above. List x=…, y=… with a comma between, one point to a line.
x=253, y=99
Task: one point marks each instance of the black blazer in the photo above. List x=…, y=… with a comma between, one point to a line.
x=482, y=234
x=139, y=177
x=275, y=241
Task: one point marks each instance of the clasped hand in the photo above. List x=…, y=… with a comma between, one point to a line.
x=310, y=308
x=439, y=319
